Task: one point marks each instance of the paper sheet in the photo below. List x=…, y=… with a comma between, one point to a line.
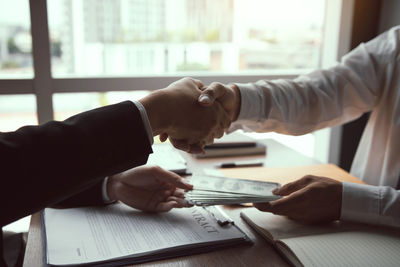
x=95, y=234
x=347, y=249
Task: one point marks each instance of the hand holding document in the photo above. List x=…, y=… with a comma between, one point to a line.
x=214, y=190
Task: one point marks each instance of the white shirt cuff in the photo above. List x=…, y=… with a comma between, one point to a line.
x=253, y=104
x=360, y=203
x=104, y=194
x=145, y=120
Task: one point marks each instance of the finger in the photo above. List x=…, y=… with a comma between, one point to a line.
x=163, y=137
x=289, y=188
x=225, y=119
x=198, y=83
x=213, y=92
x=166, y=193
x=180, y=144
x=196, y=149
x=263, y=206
x=166, y=206
x=174, y=179
x=270, y=207
x=219, y=133
x=210, y=139
x=179, y=193
x=290, y=206
x=181, y=202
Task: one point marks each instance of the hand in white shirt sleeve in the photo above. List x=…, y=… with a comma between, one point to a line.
x=370, y=204
x=311, y=199
x=366, y=80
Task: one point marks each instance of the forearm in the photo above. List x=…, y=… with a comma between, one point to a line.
x=91, y=196
x=323, y=98
x=42, y=165
x=97, y=194
x=371, y=204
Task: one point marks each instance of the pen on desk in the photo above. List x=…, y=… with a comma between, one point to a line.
x=219, y=215
x=240, y=164
x=226, y=219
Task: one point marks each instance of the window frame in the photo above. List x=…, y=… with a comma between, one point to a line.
x=336, y=40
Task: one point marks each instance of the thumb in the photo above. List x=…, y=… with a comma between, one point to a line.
x=205, y=100
x=263, y=206
x=211, y=93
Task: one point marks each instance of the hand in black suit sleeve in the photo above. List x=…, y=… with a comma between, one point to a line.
x=43, y=165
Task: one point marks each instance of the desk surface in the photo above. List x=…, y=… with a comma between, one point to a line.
x=260, y=253
x=277, y=155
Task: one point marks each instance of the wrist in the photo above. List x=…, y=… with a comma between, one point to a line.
x=236, y=103
x=111, y=188
x=339, y=193
x=154, y=107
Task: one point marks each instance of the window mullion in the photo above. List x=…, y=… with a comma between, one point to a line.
x=42, y=82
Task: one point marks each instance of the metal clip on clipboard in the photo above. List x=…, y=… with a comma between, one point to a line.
x=219, y=215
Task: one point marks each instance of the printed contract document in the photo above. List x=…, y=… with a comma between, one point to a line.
x=117, y=234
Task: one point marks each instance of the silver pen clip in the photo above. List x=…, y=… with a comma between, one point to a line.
x=219, y=215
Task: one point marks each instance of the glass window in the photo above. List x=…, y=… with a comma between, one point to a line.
x=157, y=37
x=15, y=40
x=69, y=104
x=17, y=111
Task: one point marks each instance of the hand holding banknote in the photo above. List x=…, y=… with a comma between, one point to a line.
x=149, y=189
x=311, y=199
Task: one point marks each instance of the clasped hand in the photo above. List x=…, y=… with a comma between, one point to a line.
x=204, y=113
x=176, y=113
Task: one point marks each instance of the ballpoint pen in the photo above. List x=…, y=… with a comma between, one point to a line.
x=240, y=164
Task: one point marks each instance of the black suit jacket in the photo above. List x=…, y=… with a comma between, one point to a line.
x=44, y=165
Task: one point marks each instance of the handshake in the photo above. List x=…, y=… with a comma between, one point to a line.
x=190, y=114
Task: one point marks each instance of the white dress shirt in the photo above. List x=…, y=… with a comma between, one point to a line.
x=367, y=79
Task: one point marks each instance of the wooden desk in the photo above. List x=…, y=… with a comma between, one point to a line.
x=260, y=253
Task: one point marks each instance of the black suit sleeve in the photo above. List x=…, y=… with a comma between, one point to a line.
x=91, y=196
x=43, y=165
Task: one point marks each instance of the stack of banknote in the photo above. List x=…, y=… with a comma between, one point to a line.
x=215, y=190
